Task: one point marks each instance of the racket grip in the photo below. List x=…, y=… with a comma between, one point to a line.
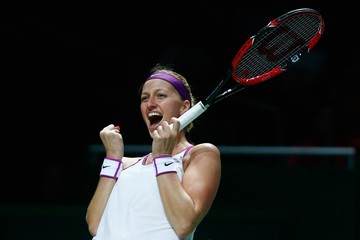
x=191, y=114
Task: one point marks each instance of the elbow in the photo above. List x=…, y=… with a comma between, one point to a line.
x=185, y=229
x=92, y=230
x=92, y=227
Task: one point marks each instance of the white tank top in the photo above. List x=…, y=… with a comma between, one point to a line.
x=134, y=210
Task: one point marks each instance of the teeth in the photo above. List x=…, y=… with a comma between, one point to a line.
x=154, y=114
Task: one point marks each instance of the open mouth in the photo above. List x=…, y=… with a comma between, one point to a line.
x=155, y=118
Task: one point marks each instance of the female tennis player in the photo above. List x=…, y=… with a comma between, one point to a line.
x=166, y=193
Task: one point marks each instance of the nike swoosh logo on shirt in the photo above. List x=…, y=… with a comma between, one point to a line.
x=168, y=163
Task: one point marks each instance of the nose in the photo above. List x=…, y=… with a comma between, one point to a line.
x=152, y=102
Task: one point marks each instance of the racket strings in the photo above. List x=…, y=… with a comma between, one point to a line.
x=278, y=45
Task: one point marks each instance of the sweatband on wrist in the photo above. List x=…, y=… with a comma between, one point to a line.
x=111, y=168
x=164, y=164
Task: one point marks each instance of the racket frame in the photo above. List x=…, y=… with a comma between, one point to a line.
x=215, y=96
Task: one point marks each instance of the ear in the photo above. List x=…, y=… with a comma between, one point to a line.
x=185, y=107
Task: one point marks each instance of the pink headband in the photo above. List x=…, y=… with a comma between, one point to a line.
x=178, y=85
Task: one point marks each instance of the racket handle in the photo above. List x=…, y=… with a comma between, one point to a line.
x=191, y=114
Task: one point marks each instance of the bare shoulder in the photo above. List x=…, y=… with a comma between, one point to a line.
x=204, y=152
x=205, y=148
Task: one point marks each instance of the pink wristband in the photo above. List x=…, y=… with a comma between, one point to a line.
x=164, y=164
x=111, y=168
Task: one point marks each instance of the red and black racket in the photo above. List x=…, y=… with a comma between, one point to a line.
x=274, y=49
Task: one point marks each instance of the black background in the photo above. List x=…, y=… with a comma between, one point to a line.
x=70, y=71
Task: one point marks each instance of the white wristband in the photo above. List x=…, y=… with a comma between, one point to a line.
x=164, y=164
x=111, y=168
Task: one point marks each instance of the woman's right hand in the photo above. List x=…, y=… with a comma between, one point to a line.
x=112, y=141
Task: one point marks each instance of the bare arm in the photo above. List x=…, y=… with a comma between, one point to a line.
x=187, y=203
x=113, y=143
x=98, y=203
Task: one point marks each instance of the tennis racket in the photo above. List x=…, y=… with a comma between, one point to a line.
x=271, y=51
